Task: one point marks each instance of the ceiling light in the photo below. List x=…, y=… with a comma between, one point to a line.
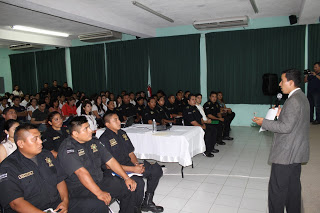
x=35, y=30
x=135, y=3
x=254, y=6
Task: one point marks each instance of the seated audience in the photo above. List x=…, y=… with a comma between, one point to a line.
x=47, y=102
x=8, y=145
x=151, y=113
x=226, y=112
x=39, y=116
x=139, y=108
x=25, y=101
x=117, y=142
x=192, y=117
x=21, y=111
x=69, y=109
x=126, y=109
x=55, y=133
x=54, y=106
x=10, y=97
x=82, y=158
x=97, y=109
x=132, y=98
x=33, y=181
x=16, y=91
x=212, y=110
x=8, y=113
x=118, y=101
x=4, y=104
x=185, y=98
x=179, y=103
x=86, y=111
x=44, y=91
x=33, y=106
x=62, y=100
x=165, y=116
x=55, y=89
x=65, y=90
x=104, y=101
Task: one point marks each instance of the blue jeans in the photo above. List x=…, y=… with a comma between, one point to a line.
x=314, y=101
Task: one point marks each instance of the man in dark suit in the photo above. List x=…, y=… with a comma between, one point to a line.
x=290, y=145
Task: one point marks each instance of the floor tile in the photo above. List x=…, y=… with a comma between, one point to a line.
x=188, y=184
x=222, y=209
x=173, y=203
x=210, y=187
x=182, y=193
x=197, y=206
x=256, y=194
x=237, y=181
x=254, y=204
x=228, y=200
x=231, y=190
x=204, y=196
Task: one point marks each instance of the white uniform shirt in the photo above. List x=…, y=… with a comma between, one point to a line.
x=200, y=108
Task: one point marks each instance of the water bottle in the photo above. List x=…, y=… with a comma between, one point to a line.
x=154, y=125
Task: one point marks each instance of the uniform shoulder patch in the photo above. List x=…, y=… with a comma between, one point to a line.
x=3, y=177
x=94, y=147
x=113, y=142
x=49, y=162
x=125, y=137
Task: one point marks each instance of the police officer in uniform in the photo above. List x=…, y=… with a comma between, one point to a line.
x=127, y=109
x=119, y=145
x=55, y=90
x=212, y=111
x=31, y=180
x=192, y=117
x=65, y=90
x=179, y=105
x=44, y=91
x=165, y=116
x=55, y=133
x=82, y=157
x=140, y=107
x=151, y=113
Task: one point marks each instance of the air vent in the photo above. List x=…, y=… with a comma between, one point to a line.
x=101, y=36
x=24, y=47
x=222, y=23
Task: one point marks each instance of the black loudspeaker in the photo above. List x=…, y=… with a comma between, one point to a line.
x=293, y=19
x=1, y=85
x=270, y=84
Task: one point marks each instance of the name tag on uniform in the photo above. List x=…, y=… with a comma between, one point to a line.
x=70, y=151
x=81, y=152
x=55, y=138
x=125, y=137
x=68, y=131
x=49, y=162
x=193, y=111
x=151, y=112
x=24, y=175
x=94, y=148
x=3, y=177
x=113, y=142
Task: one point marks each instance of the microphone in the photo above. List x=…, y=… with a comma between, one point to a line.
x=279, y=97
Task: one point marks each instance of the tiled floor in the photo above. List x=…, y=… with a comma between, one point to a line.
x=234, y=181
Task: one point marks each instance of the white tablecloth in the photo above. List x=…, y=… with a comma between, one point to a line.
x=179, y=144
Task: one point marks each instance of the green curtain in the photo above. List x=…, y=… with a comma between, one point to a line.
x=237, y=60
x=88, y=68
x=51, y=65
x=175, y=63
x=127, y=66
x=23, y=71
x=313, y=44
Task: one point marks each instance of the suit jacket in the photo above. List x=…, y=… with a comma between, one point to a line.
x=291, y=131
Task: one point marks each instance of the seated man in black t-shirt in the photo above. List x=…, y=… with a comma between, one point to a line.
x=21, y=111
x=39, y=116
x=119, y=145
x=31, y=180
x=82, y=158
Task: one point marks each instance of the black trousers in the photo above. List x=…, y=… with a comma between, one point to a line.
x=153, y=173
x=113, y=185
x=218, y=129
x=285, y=188
x=226, y=124
x=210, y=137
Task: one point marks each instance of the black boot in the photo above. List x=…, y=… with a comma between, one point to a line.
x=148, y=204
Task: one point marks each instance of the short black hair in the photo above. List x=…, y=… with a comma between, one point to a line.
x=170, y=96
x=293, y=75
x=16, y=97
x=52, y=114
x=76, y=122
x=189, y=96
x=317, y=63
x=107, y=116
x=213, y=93
x=6, y=110
x=41, y=102
x=138, y=99
x=151, y=98
x=198, y=94
x=22, y=128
